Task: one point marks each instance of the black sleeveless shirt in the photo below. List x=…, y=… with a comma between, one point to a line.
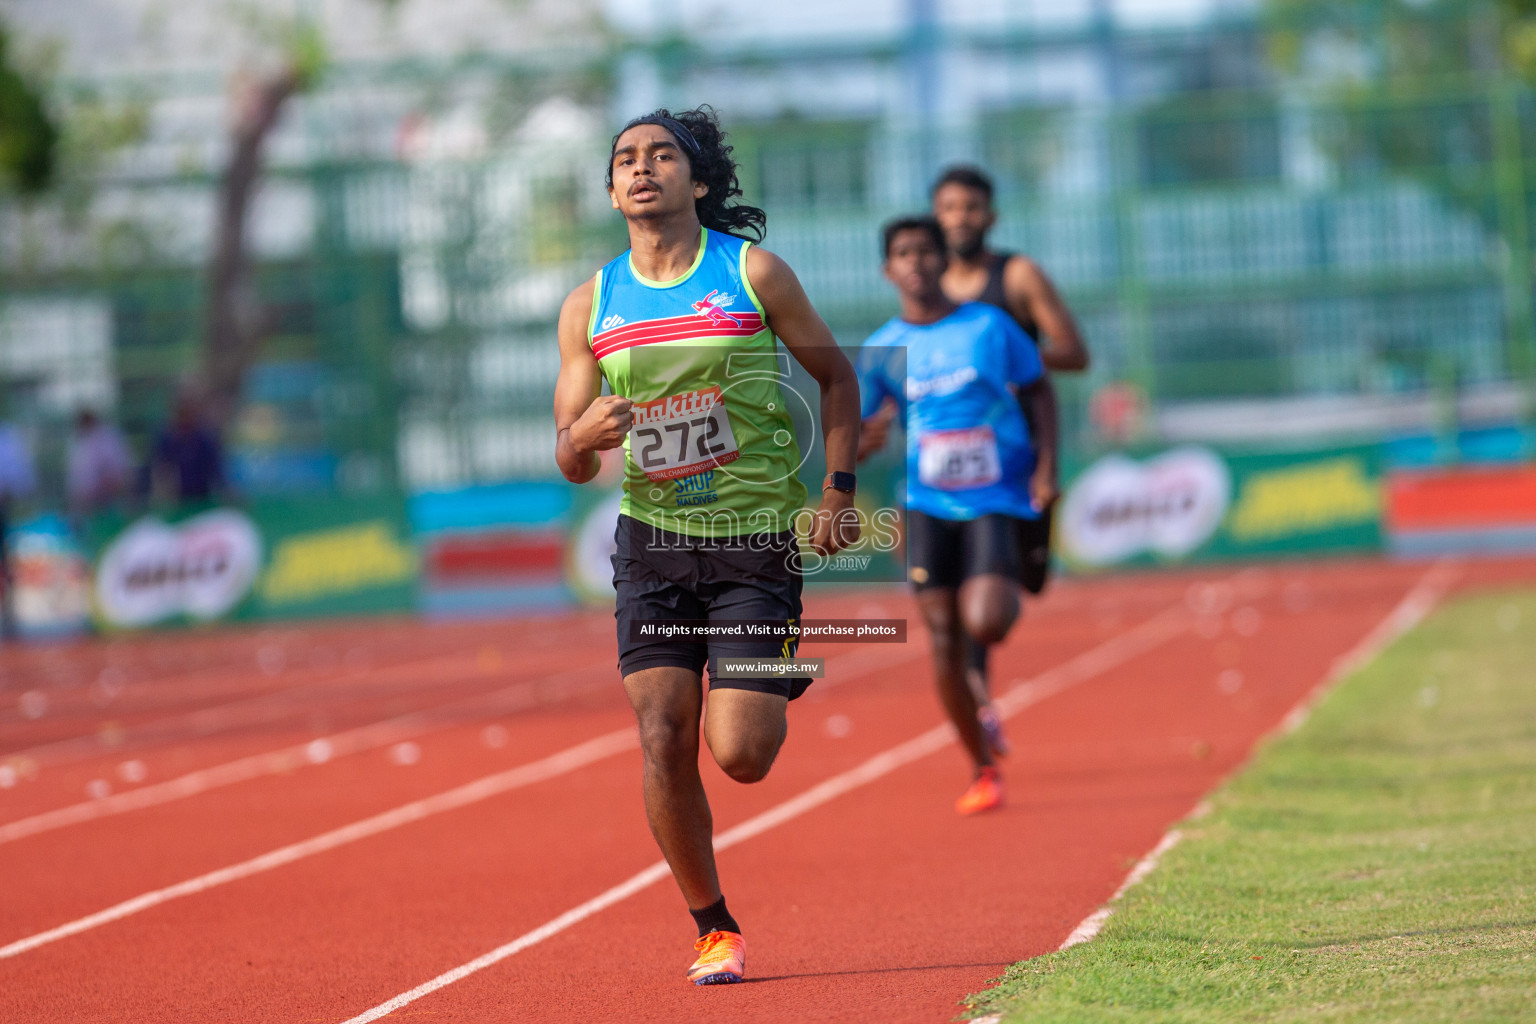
x=993, y=294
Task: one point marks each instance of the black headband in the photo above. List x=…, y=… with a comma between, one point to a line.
x=673, y=125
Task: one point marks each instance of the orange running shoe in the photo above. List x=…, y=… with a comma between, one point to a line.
x=722, y=959
x=985, y=794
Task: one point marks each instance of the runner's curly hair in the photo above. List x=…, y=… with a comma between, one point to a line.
x=699, y=134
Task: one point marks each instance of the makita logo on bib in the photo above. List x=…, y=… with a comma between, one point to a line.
x=672, y=407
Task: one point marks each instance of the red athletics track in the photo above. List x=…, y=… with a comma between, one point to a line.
x=875, y=904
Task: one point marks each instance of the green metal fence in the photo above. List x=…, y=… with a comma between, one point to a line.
x=1357, y=246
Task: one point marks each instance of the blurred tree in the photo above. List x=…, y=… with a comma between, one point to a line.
x=235, y=325
x=1520, y=35
x=1392, y=76
x=28, y=136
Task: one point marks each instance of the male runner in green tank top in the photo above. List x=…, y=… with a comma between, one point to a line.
x=682, y=327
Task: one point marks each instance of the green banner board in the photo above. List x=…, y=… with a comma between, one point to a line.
x=1194, y=503
x=267, y=559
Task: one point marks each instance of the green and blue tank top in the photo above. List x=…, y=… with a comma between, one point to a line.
x=712, y=452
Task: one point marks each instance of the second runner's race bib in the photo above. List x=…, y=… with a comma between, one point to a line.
x=681, y=435
x=958, y=460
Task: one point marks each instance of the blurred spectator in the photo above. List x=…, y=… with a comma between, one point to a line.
x=186, y=464
x=18, y=479
x=99, y=470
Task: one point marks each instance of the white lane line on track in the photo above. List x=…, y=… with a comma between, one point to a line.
x=363, y=738
x=1081, y=668
x=472, y=792
x=207, y=721
x=481, y=789
x=1420, y=600
x=286, y=759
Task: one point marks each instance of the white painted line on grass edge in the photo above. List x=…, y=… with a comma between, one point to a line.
x=481, y=789
x=1091, y=924
x=1079, y=669
x=1409, y=612
x=1428, y=592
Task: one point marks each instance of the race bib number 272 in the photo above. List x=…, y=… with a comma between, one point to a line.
x=681, y=435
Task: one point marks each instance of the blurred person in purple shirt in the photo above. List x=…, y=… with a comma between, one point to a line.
x=18, y=479
x=99, y=468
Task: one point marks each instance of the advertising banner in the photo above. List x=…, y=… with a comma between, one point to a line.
x=52, y=579
x=271, y=559
x=1462, y=510
x=1196, y=503
x=334, y=556
x=495, y=549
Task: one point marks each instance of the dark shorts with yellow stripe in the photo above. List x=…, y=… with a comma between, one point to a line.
x=662, y=576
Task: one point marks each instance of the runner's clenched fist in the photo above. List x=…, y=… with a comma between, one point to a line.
x=604, y=425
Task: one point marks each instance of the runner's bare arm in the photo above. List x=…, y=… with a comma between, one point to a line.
x=1031, y=294
x=875, y=429
x=1041, y=399
x=586, y=420
x=810, y=341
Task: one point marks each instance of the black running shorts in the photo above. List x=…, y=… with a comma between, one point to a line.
x=662, y=576
x=947, y=552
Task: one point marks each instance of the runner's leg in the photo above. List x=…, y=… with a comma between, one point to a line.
x=989, y=606
x=744, y=730
x=977, y=677
x=976, y=659
x=667, y=702
x=942, y=614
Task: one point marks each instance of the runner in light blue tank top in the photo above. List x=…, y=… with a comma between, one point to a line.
x=969, y=452
x=949, y=373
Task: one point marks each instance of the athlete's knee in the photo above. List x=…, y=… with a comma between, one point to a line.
x=747, y=763
x=989, y=627
x=942, y=619
x=989, y=611
x=745, y=758
x=938, y=616
x=668, y=740
x=946, y=648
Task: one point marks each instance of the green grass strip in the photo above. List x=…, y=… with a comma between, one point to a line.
x=1377, y=865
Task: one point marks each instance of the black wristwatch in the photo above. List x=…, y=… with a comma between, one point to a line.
x=839, y=482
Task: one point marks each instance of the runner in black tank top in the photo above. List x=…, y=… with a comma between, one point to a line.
x=1034, y=534
x=962, y=202
x=994, y=294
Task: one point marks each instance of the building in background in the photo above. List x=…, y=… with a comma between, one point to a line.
x=1263, y=231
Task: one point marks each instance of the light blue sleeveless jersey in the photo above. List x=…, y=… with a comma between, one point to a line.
x=969, y=452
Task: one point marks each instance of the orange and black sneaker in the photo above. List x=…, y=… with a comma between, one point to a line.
x=722, y=959
x=985, y=794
